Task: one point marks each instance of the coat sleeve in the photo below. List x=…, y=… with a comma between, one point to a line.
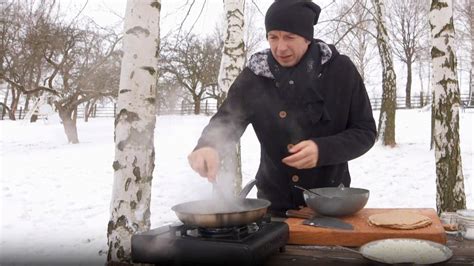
x=360, y=133
x=232, y=117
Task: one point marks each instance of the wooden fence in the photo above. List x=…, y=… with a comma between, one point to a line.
x=210, y=108
x=418, y=102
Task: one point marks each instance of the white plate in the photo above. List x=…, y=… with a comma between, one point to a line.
x=406, y=250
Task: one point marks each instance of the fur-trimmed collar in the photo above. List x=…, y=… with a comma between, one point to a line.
x=259, y=65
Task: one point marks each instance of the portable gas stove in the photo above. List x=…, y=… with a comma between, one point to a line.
x=178, y=244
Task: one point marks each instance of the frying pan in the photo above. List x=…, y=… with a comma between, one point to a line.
x=336, y=201
x=222, y=213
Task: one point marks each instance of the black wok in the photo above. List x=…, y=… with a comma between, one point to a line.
x=222, y=213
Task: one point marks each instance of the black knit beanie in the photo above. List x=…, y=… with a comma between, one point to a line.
x=295, y=16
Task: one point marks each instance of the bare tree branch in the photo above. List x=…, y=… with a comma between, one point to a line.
x=259, y=11
x=185, y=17
x=199, y=15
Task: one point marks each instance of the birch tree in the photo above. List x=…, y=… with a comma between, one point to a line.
x=386, y=127
x=471, y=87
x=233, y=52
x=232, y=63
x=134, y=129
x=450, y=194
x=253, y=35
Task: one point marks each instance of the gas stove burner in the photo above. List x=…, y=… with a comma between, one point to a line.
x=225, y=232
x=179, y=244
x=235, y=232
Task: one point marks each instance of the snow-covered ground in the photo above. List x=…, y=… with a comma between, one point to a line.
x=55, y=196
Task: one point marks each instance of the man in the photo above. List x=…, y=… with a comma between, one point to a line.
x=307, y=104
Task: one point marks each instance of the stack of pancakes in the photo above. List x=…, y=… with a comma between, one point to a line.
x=404, y=220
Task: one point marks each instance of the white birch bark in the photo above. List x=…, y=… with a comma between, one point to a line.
x=232, y=63
x=471, y=88
x=386, y=128
x=233, y=58
x=134, y=128
x=450, y=194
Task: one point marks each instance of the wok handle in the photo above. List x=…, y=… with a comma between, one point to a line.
x=245, y=191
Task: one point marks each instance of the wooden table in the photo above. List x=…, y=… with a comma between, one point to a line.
x=363, y=232
x=294, y=255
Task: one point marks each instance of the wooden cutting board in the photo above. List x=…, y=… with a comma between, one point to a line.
x=363, y=232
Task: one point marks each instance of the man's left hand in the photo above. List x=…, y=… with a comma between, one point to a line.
x=304, y=155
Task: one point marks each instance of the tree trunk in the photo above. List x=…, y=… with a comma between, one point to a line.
x=134, y=129
x=88, y=110
x=74, y=114
x=471, y=87
x=422, y=99
x=220, y=98
x=432, y=140
x=5, y=100
x=450, y=194
x=71, y=130
x=386, y=128
x=92, y=109
x=420, y=76
x=27, y=103
x=5, y=110
x=230, y=168
x=408, y=85
x=69, y=124
x=197, y=106
x=232, y=63
x=14, y=104
x=233, y=52
x=361, y=58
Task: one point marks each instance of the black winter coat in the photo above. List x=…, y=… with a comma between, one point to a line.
x=325, y=101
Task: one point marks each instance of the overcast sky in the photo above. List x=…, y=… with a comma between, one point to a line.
x=111, y=12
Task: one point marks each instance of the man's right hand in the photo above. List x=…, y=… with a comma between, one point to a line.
x=205, y=161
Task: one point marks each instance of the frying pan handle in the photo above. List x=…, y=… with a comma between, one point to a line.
x=245, y=191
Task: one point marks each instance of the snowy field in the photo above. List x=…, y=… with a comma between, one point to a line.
x=55, y=196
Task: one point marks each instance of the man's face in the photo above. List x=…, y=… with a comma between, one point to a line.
x=287, y=48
